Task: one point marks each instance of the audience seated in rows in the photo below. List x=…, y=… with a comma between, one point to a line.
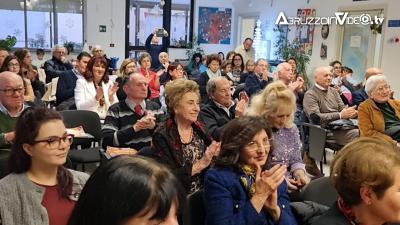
x=39, y=190
x=131, y=122
x=11, y=106
x=57, y=64
x=366, y=175
x=67, y=82
x=213, y=65
x=221, y=108
x=95, y=92
x=129, y=190
x=379, y=116
x=181, y=141
x=277, y=104
x=360, y=95
x=236, y=190
x=258, y=80
x=324, y=102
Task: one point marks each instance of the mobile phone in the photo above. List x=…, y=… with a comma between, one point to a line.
x=160, y=33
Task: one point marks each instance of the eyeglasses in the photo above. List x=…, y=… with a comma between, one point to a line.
x=12, y=91
x=383, y=89
x=54, y=142
x=13, y=65
x=254, y=146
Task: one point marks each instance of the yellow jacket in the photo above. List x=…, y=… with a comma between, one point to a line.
x=371, y=121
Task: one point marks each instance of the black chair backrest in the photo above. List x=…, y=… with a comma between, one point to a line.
x=320, y=190
x=197, y=212
x=89, y=120
x=316, y=141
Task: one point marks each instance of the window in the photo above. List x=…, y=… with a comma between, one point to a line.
x=147, y=15
x=48, y=22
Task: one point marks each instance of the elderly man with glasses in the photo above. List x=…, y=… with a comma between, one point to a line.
x=57, y=64
x=11, y=105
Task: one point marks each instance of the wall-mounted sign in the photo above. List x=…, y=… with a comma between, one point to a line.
x=394, y=23
x=102, y=28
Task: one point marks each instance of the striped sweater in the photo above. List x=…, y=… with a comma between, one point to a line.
x=118, y=126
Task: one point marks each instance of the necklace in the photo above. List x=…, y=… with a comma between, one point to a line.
x=183, y=136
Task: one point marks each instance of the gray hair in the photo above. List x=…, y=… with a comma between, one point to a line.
x=55, y=47
x=373, y=81
x=212, y=84
x=261, y=59
x=143, y=56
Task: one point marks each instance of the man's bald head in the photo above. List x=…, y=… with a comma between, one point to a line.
x=372, y=71
x=9, y=77
x=323, y=76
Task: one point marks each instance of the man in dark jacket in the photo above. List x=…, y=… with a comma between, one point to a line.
x=360, y=95
x=154, y=49
x=56, y=65
x=221, y=109
x=259, y=79
x=67, y=82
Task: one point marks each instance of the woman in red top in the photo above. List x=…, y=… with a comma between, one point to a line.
x=154, y=80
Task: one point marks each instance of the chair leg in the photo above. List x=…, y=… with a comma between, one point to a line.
x=321, y=167
x=324, y=156
x=83, y=167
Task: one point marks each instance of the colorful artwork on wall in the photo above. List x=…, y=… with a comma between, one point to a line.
x=305, y=32
x=214, y=25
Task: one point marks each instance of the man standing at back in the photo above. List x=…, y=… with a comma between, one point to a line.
x=246, y=50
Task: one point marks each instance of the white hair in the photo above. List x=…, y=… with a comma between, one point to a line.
x=373, y=81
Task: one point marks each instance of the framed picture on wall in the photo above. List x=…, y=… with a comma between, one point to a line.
x=214, y=25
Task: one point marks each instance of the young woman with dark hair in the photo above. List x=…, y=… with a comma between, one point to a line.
x=13, y=64
x=39, y=190
x=236, y=189
x=96, y=93
x=129, y=190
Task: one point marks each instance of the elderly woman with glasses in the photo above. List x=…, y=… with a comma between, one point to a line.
x=39, y=190
x=277, y=104
x=238, y=189
x=379, y=115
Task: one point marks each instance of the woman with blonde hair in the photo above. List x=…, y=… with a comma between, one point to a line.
x=277, y=104
x=366, y=175
x=128, y=66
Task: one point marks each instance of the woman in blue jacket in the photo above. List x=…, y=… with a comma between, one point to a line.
x=236, y=189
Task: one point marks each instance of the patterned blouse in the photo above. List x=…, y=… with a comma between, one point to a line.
x=193, y=152
x=287, y=149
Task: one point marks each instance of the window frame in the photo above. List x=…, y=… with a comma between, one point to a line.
x=53, y=27
x=167, y=10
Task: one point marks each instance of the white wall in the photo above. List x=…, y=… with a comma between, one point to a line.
x=112, y=14
x=390, y=51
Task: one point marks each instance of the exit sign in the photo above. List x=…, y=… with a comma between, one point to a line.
x=102, y=28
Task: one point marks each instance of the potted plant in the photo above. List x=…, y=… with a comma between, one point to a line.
x=8, y=43
x=194, y=47
x=286, y=49
x=69, y=45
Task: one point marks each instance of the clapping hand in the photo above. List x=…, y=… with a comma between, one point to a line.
x=146, y=122
x=114, y=88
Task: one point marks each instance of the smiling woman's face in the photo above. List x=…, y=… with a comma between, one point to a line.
x=256, y=152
